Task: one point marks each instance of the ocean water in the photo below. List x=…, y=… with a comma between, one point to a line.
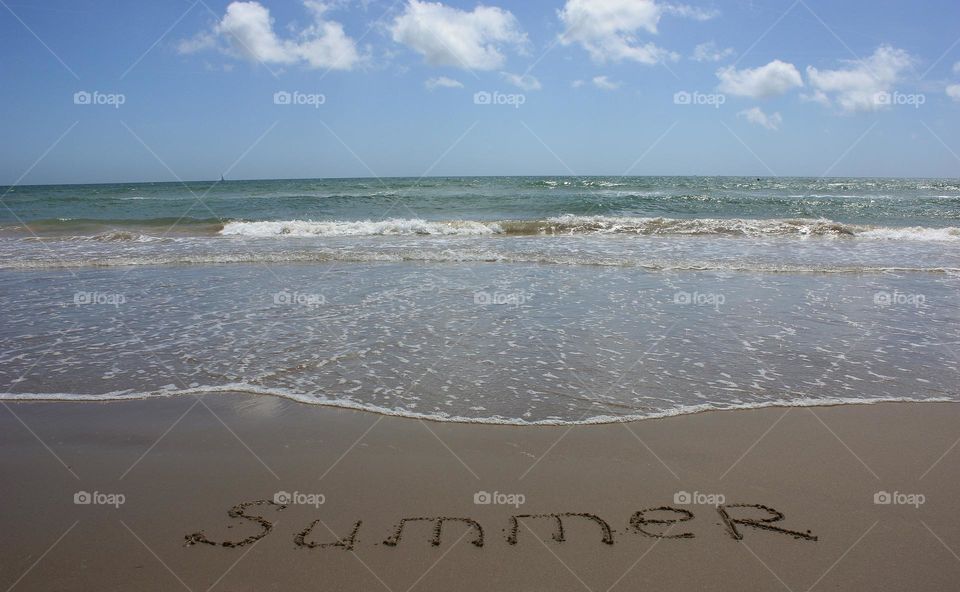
x=508, y=299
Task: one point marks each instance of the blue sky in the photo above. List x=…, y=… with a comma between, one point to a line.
x=811, y=87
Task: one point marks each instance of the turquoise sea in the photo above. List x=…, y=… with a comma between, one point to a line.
x=489, y=299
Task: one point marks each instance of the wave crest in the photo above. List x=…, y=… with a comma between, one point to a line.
x=391, y=227
x=573, y=224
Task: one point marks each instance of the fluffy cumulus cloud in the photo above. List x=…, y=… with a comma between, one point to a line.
x=709, y=52
x=953, y=91
x=604, y=83
x=247, y=30
x=442, y=82
x=446, y=36
x=755, y=115
x=862, y=84
x=609, y=29
x=522, y=81
x=770, y=80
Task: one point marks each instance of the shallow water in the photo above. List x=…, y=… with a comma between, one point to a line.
x=520, y=300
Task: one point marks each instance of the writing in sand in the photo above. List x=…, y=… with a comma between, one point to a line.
x=662, y=522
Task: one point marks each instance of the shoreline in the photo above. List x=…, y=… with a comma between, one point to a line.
x=683, y=411
x=185, y=465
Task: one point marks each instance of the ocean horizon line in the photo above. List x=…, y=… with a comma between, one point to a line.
x=8, y=187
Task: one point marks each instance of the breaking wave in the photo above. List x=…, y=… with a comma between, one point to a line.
x=570, y=224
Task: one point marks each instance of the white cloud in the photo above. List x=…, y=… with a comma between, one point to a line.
x=953, y=91
x=442, y=82
x=577, y=83
x=605, y=83
x=771, y=80
x=709, y=52
x=246, y=30
x=200, y=42
x=756, y=116
x=956, y=68
x=608, y=29
x=857, y=87
x=523, y=81
x=447, y=36
x=690, y=12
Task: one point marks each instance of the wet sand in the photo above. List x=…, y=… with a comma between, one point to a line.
x=164, y=476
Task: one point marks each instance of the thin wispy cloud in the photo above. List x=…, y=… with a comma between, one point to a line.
x=757, y=116
x=710, y=52
x=522, y=81
x=604, y=83
x=442, y=82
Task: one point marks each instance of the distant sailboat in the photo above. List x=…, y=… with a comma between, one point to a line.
x=221, y=177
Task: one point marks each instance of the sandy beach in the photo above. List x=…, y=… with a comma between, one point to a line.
x=152, y=495
x=479, y=296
